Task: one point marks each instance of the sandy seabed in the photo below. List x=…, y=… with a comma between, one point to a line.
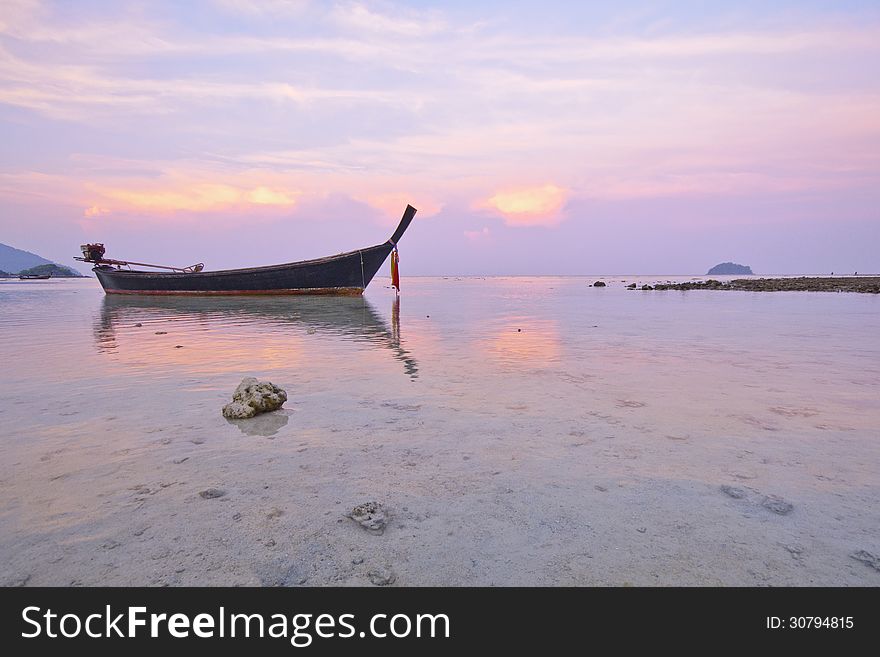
x=524, y=500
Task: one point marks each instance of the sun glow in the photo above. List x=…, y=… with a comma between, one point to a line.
x=529, y=206
x=198, y=198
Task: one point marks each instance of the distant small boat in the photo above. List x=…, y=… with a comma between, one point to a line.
x=343, y=274
x=34, y=277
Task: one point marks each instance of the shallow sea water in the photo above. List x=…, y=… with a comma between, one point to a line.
x=521, y=431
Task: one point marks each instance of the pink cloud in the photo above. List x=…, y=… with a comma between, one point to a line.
x=95, y=211
x=393, y=204
x=529, y=206
x=477, y=235
x=181, y=196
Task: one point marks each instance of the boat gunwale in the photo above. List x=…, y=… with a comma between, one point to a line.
x=346, y=291
x=247, y=270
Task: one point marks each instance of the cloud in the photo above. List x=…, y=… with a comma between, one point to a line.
x=356, y=16
x=266, y=196
x=200, y=197
x=394, y=203
x=78, y=91
x=477, y=235
x=95, y=211
x=145, y=110
x=529, y=206
x=271, y=8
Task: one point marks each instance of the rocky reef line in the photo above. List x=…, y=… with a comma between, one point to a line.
x=864, y=284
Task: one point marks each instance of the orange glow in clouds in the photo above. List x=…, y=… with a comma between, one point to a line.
x=196, y=198
x=94, y=211
x=529, y=206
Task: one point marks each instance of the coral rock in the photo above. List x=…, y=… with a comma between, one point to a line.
x=252, y=397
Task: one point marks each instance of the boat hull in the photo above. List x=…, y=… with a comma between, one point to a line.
x=344, y=274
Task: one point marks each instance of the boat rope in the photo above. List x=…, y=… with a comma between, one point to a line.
x=363, y=278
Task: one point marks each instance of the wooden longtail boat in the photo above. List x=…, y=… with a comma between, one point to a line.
x=345, y=273
x=34, y=277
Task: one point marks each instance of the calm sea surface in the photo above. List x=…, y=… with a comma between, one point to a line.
x=523, y=431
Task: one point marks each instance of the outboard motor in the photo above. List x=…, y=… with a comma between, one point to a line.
x=93, y=252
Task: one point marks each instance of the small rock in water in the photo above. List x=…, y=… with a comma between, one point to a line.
x=212, y=493
x=382, y=577
x=372, y=516
x=252, y=397
x=734, y=492
x=138, y=324
x=867, y=558
x=777, y=505
x=161, y=332
x=631, y=286
x=598, y=284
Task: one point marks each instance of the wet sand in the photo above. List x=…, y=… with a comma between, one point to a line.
x=607, y=448
x=592, y=504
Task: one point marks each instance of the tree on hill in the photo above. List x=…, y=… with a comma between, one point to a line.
x=57, y=271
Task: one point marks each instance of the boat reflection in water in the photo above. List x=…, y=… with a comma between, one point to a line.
x=348, y=318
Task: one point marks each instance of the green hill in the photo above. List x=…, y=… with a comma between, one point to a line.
x=57, y=271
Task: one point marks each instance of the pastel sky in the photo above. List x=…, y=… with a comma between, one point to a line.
x=534, y=137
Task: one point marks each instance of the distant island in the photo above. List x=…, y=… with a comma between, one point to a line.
x=16, y=262
x=56, y=271
x=730, y=268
